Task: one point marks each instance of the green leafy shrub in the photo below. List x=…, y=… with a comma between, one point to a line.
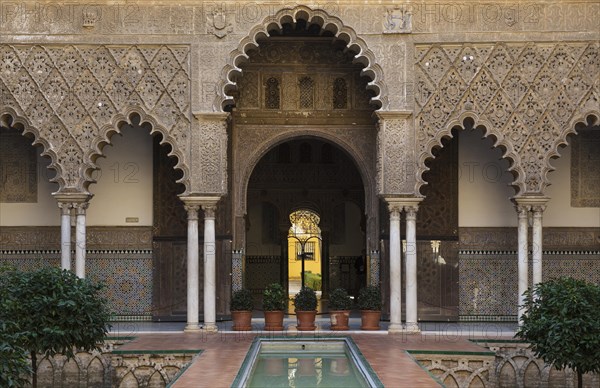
x=274, y=298
x=14, y=365
x=561, y=322
x=241, y=300
x=305, y=299
x=52, y=311
x=369, y=298
x=313, y=280
x=340, y=300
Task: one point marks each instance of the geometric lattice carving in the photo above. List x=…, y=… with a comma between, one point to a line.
x=340, y=94
x=307, y=94
x=527, y=95
x=73, y=94
x=272, y=93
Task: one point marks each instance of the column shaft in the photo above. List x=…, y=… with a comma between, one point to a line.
x=411, y=268
x=80, y=239
x=209, y=269
x=522, y=257
x=193, y=281
x=395, y=271
x=537, y=244
x=65, y=235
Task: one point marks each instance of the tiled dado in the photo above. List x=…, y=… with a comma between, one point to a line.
x=119, y=257
x=488, y=279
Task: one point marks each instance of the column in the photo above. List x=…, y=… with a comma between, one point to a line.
x=411, y=268
x=193, y=281
x=80, y=247
x=65, y=234
x=395, y=271
x=210, y=316
x=537, y=243
x=522, y=212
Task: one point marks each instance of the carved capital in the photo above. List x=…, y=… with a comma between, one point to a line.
x=192, y=211
x=65, y=208
x=80, y=207
x=209, y=211
x=535, y=204
x=411, y=211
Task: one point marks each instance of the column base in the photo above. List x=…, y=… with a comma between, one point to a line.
x=412, y=327
x=210, y=328
x=395, y=328
x=192, y=328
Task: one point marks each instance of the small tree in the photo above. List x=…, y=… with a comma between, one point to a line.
x=53, y=311
x=562, y=323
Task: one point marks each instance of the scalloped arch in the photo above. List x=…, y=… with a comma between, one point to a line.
x=368, y=179
x=10, y=118
x=317, y=16
x=107, y=131
x=589, y=118
x=499, y=141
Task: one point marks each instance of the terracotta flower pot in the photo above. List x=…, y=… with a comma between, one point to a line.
x=306, y=320
x=370, y=319
x=242, y=320
x=339, y=319
x=274, y=320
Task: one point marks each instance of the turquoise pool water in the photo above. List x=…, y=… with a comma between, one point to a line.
x=332, y=362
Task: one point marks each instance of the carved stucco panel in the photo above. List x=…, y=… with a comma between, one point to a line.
x=210, y=156
x=395, y=158
x=527, y=95
x=74, y=96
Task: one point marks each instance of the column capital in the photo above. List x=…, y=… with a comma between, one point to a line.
x=409, y=204
x=65, y=208
x=531, y=201
x=192, y=211
x=80, y=207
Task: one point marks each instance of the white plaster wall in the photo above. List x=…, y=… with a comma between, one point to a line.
x=124, y=187
x=43, y=213
x=483, y=187
x=559, y=211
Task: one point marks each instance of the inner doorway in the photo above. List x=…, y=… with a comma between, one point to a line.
x=305, y=259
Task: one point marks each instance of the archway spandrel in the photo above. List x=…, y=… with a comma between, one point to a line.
x=538, y=85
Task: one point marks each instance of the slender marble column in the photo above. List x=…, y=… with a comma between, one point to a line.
x=395, y=271
x=411, y=267
x=193, y=281
x=210, y=321
x=537, y=243
x=80, y=247
x=65, y=234
x=522, y=212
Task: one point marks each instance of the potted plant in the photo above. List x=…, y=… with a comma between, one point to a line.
x=340, y=305
x=305, y=303
x=369, y=304
x=274, y=305
x=241, y=310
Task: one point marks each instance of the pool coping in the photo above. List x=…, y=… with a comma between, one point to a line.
x=362, y=365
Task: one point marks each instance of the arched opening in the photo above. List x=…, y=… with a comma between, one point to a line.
x=468, y=190
x=136, y=195
x=305, y=212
